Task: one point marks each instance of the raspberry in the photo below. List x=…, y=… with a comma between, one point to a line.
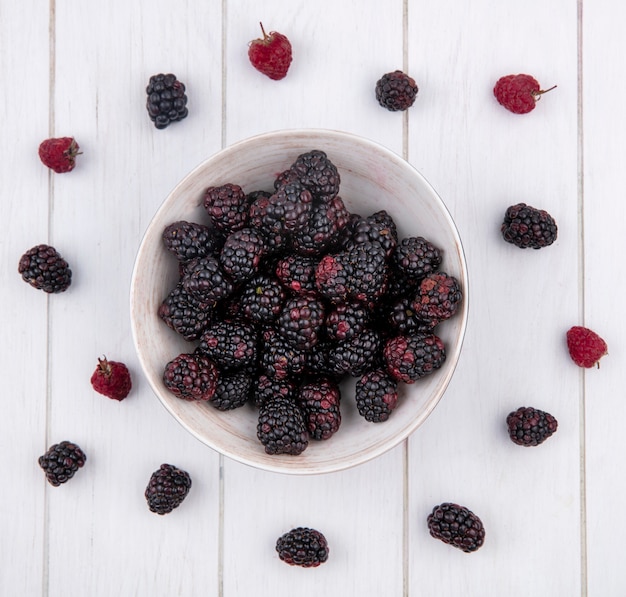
x=303, y=547
x=416, y=257
x=396, y=91
x=112, y=379
x=300, y=321
x=191, y=377
x=61, y=462
x=188, y=240
x=376, y=395
x=585, y=347
x=227, y=206
x=527, y=227
x=456, y=526
x=281, y=428
x=319, y=400
x=438, y=298
x=232, y=390
x=518, y=93
x=185, y=314
x=167, y=488
x=409, y=358
x=59, y=154
x=44, y=268
x=271, y=55
x=231, y=345
x=166, y=101
x=316, y=173
x=530, y=426
x=242, y=253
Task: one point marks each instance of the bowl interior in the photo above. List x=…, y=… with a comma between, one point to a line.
x=372, y=178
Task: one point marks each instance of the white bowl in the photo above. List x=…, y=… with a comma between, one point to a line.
x=372, y=178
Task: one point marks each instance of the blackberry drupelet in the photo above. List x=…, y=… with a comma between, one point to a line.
x=261, y=299
x=346, y=320
x=438, y=298
x=231, y=345
x=357, y=355
x=528, y=227
x=278, y=359
x=529, y=426
x=411, y=357
x=297, y=273
x=242, y=253
x=303, y=547
x=396, y=91
x=317, y=173
x=376, y=395
x=61, y=461
x=281, y=428
x=188, y=240
x=319, y=400
x=378, y=227
x=191, y=376
x=227, y=206
x=205, y=279
x=167, y=101
x=456, y=526
x=167, y=488
x=185, y=314
x=265, y=387
x=44, y=269
x=300, y=321
x=416, y=257
x=232, y=390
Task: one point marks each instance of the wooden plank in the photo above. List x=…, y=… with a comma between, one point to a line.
x=482, y=158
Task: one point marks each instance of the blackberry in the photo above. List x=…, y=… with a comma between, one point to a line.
x=61, y=462
x=297, y=273
x=346, y=320
x=319, y=400
x=266, y=387
x=396, y=91
x=261, y=299
x=185, y=314
x=232, y=390
x=300, y=321
x=167, y=488
x=376, y=395
x=357, y=355
x=227, y=206
x=368, y=271
x=456, y=526
x=333, y=275
x=278, y=359
x=402, y=318
x=242, y=253
x=438, y=298
x=318, y=360
x=191, y=377
x=188, y=240
x=167, y=101
x=530, y=426
x=281, y=428
x=285, y=177
x=528, y=227
x=231, y=345
x=379, y=227
x=411, y=357
x=416, y=257
x=303, y=547
x=44, y=269
x=317, y=173
x=205, y=279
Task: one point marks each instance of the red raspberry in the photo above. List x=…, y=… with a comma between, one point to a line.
x=519, y=93
x=111, y=379
x=271, y=55
x=585, y=346
x=59, y=154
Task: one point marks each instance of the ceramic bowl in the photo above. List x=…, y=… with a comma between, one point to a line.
x=372, y=178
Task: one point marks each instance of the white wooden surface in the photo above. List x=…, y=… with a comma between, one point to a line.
x=553, y=514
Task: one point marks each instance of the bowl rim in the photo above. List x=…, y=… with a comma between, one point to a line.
x=463, y=313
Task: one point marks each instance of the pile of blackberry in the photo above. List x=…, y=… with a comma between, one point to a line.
x=284, y=293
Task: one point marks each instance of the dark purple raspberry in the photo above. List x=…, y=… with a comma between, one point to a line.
x=409, y=358
x=456, y=526
x=368, y=271
x=322, y=229
x=379, y=227
x=185, y=314
x=300, y=321
x=261, y=299
x=530, y=426
x=242, y=253
x=319, y=400
x=44, y=269
x=205, y=279
x=232, y=345
x=278, y=359
x=302, y=547
x=167, y=488
x=166, y=101
x=438, y=298
x=396, y=91
x=527, y=227
x=332, y=277
x=346, y=320
x=376, y=395
x=227, y=206
x=357, y=355
x=281, y=428
x=416, y=257
x=266, y=387
x=188, y=240
x=317, y=173
x=61, y=461
x=297, y=273
x=191, y=377
x=232, y=390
